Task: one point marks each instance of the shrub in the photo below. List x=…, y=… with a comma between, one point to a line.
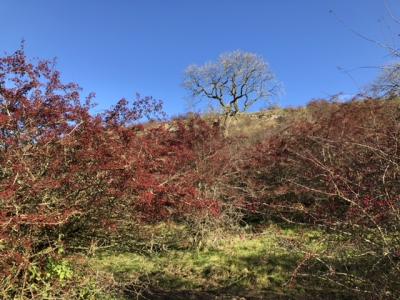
x=338, y=169
x=69, y=176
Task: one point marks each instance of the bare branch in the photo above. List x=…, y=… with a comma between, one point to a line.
x=235, y=82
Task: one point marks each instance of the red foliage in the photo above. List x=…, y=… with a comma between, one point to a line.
x=338, y=168
x=340, y=161
x=63, y=168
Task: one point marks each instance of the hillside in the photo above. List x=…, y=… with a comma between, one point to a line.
x=282, y=204
x=279, y=246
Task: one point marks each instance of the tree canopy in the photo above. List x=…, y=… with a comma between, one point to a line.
x=235, y=82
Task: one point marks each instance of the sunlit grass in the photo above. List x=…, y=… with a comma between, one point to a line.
x=262, y=261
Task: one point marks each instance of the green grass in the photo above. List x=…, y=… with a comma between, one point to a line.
x=253, y=262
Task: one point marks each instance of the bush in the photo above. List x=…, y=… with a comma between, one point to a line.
x=339, y=169
x=67, y=176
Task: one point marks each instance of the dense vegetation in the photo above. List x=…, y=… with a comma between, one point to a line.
x=101, y=206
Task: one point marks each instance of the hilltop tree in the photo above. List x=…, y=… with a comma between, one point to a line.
x=235, y=82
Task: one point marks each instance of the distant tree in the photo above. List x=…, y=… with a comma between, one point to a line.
x=234, y=82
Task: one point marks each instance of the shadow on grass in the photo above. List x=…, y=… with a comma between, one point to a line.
x=257, y=267
x=276, y=269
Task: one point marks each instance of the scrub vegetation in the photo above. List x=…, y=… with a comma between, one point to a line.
x=285, y=204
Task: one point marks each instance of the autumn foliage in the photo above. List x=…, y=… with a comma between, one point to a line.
x=336, y=168
x=70, y=176
x=66, y=172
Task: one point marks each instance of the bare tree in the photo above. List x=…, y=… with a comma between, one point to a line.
x=388, y=82
x=234, y=82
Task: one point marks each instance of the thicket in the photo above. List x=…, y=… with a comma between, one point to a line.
x=68, y=175
x=336, y=168
x=70, y=178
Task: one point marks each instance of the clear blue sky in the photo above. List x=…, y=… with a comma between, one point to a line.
x=119, y=47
